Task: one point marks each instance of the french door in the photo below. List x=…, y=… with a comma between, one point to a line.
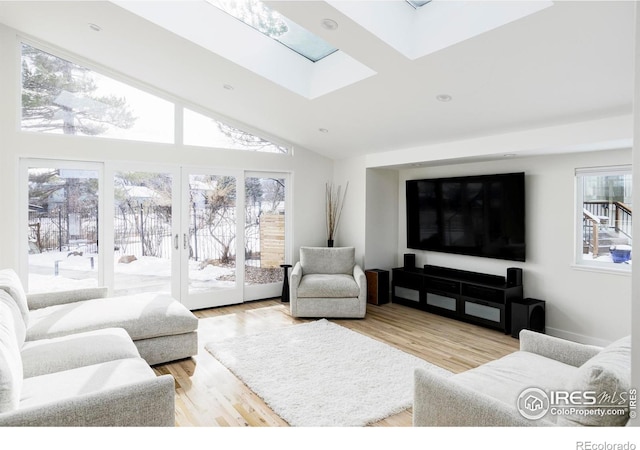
x=209, y=237
x=61, y=217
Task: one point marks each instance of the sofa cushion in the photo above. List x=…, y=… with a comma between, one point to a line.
x=19, y=326
x=76, y=350
x=10, y=361
x=143, y=316
x=607, y=374
x=58, y=386
x=10, y=283
x=505, y=378
x=329, y=260
x=328, y=286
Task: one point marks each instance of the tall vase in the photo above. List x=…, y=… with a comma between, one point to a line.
x=330, y=243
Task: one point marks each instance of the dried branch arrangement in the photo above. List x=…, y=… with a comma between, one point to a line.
x=334, y=202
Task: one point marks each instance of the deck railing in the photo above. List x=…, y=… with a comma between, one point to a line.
x=604, y=215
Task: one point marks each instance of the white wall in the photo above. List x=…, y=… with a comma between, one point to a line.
x=381, y=219
x=309, y=170
x=587, y=306
x=351, y=231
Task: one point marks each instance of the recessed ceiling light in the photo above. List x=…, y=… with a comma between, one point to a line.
x=444, y=98
x=509, y=155
x=228, y=87
x=329, y=24
x=323, y=130
x=95, y=27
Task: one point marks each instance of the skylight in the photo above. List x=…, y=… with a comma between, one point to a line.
x=418, y=4
x=273, y=24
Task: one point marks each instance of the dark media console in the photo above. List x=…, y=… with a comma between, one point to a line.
x=469, y=296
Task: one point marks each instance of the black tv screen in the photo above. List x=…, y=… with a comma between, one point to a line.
x=476, y=215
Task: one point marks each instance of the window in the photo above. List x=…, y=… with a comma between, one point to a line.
x=204, y=131
x=273, y=24
x=63, y=223
x=61, y=97
x=604, y=213
x=418, y=3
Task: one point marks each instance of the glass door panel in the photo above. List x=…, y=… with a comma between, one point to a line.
x=210, y=240
x=265, y=247
x=63, y=225
x=143, y=232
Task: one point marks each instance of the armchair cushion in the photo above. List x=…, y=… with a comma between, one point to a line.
x=10, y=283
x=329, y=286
x=327, y=260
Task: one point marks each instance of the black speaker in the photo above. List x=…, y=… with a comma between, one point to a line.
x=409, y=261
x=514, y=277
x=527, y=314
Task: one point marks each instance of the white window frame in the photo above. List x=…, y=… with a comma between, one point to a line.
x=579, y=261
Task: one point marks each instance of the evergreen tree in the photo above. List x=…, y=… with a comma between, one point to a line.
x=60, y=95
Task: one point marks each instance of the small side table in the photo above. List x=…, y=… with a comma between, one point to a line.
x=377, y=286
x=285, y=283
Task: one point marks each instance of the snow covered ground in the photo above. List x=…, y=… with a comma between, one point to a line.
x=75, y=271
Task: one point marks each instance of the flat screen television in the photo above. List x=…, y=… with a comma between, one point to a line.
x=476, y=215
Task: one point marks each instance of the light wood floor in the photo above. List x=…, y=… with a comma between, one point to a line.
x=208, y=394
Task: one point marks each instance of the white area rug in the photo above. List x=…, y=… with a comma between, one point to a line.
x=322, y=374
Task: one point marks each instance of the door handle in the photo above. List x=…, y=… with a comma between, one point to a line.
x=175, y=242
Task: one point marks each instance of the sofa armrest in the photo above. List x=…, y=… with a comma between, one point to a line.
x=44, y=299
x=568, y=352
x=149, y=403
x=359, y=276
x=296, y=276
x=439, y=402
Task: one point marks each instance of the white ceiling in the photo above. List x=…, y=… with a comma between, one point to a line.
x=570, y=62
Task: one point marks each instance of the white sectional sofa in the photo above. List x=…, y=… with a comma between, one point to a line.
x=161, y=327
x=77, y=358
x=492, y=394
x=95, y=378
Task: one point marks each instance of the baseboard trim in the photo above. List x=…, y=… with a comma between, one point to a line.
x=589, y=340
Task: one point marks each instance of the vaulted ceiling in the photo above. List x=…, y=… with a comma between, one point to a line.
x=571, y=61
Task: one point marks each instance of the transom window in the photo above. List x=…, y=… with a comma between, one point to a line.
x=204, y=131
x=61, y=97
x=604, y=212
x=278, y=27
x=418, y=3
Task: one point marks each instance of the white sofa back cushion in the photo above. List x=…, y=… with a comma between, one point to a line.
x=329, y=260
x=10, y=283
x=10, y=361
x=607, y=374
x=18, y=324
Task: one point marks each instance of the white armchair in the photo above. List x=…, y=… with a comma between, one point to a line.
x=327, y=282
